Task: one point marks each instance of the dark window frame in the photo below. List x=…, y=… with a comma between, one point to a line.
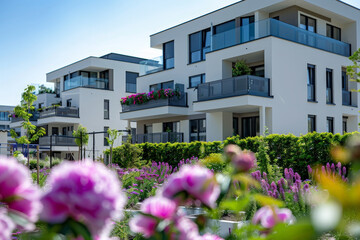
x=344, y=124
x=254, y=126
x=198, y=127
x=311, y=82
x=165, y=55
x=313, y=118
x=107, y=111
x=330, y=124
x=202, y=79
x=126, y=81
x=332, y=27
x=329, y=85
x=106, y=144
x=307, y=22
x=202, y=44
x=162, y=85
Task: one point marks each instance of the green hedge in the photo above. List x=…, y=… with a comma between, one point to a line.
x=287, y=150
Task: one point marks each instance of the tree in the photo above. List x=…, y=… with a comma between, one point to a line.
x=240, y=69
x=353, y=70
x=113, y=135
x=81, y=138
x=24, y=111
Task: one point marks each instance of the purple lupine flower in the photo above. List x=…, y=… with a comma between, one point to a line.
x=265, y=176
x=307, y=188
x=344, y=170
x=273, y=186
x=264, y=185
x=295, y=191
x=286, y=173
x=323, y=170
x=333, y=168
x=297, y=177
x=309, y=170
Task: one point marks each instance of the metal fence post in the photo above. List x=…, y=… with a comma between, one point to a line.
x=81, y=156
x=51, y=151
x=37, y=165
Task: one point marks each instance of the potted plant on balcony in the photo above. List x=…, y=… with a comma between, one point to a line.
x=241, y=68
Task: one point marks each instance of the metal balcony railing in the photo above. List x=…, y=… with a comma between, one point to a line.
x=35, y=116
x=276, y=28
x=72, y=112
x=180, y=101
x=57, y=141
x=236, y=86
x=162, y=137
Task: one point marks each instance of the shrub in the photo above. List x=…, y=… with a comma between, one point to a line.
x=214, y=162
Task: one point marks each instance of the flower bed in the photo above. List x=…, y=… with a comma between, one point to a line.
x=140, y=98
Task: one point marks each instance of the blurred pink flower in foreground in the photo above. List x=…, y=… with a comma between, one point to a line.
x=268, y=217
x=85, y=191
x=6, y=226
x=196, y=181
x=244, y=161
x=17, y=190
x=211, y=237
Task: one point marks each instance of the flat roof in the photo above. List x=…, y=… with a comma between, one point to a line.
x=227, y=7
x=123, y=58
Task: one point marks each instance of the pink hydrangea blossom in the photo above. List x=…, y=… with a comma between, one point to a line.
x=6, y=226
x=187, y=229
x=244, y=161
x=144, y=225
x=210, y=237
x=85, y=191
x=160, y=207
x=196, y=181
x=17, y=190
x=268, y=217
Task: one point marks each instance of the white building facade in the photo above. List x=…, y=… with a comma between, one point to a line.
x=297, y=52
x=86, y=93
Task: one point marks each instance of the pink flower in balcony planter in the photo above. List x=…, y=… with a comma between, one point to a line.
x=268, y=217
x=17, y=191
x=6, y=226
x=196, y=182
x=85, y=191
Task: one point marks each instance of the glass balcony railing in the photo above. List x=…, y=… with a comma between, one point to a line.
x=236, y=86
x=346, y=98
x=276, y=28
x=72, y=112
x=80, y=81
x=57, y=141
x=151, y=66
x=35, y=116
x=162, y=137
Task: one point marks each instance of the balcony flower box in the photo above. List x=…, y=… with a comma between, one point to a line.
x=140, y=98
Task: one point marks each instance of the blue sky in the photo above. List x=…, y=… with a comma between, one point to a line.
x=38, y=36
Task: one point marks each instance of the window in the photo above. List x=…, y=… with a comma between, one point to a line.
x=344, y=81
x=106, y=109
x=4, y=116
x=224, y=27
x=68, y=102
x=131, y=81
x=333, y=32
x=54, y=131
x=308, y=23
x=168, y=52
x=171, y=126
x=330, y=124
x=311, y=83
x=329, y=86
x=163, y=85
x=103, y=82
x=250, y=127
x=105, y=136
x=344, y=124
x=196, y=80
x=198, y=130
x=247, y=28
x=148, y=128
x=64, y=132
x=199, y=44
x=258, y=71
x=311, y=123
x=235, y=126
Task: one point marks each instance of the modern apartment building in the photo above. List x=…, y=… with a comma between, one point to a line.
x=87, y=92
x=297, y=52
x=5, y=136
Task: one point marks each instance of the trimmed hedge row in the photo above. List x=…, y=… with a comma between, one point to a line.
x=287, y=150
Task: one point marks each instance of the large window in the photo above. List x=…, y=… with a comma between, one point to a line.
x=333, y=32
x=329, y=86
x=344, y=124
x=168, y=53
x=250, y=127
x=311, y=123
x=196, y=80
x=198, y=130
x=163, y=85
x=171, y=126
x=199, y=44
x=224, y=27
x=311, y=83
x=106, y=109
x=308, y=23
x=247, y=28
x=105, y=136
x=4, y=116
x=87, y=79
x=258, y=71
x=235, y=126
x=131, y=81
x=344, y=81
x=148, y=128
x=330, y=124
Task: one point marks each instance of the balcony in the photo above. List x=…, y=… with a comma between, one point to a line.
x=236, y=86
x=276, y=28
x=35, y=116
x=180, y=101
x=80, y=81
x=61, y=141
x=151, y=66
x=162, y=137
x=71, y=112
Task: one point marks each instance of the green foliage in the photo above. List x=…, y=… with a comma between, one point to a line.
x=240, y=69
x=16, y=153
x=81, y=133
x=43, y=164
x=214, y=162
x=353, y=70
x=113, y=134
x=44, y=89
